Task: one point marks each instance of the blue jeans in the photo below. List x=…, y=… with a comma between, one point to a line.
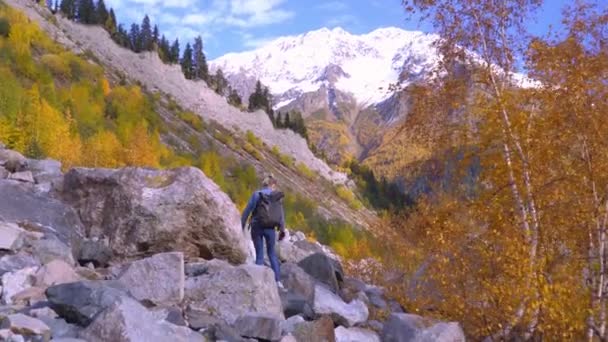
x=258, y=235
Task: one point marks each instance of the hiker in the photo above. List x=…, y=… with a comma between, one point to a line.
x=266, y=208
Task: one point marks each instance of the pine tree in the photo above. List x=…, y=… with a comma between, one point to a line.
x=234, y=99
x=174, y=55
x=86, y=11
x=101, y=13
x=155, y=36
x=164, y=50
x=135, y=38
x=287, y=122
x=201, y=70
x=186, y=62
x=147, y=44
x=121, y=37
x=112, y=24
x=220, y=82
x=68, y=8
x=255, y=99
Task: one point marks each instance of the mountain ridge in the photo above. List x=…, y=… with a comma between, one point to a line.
x=361, y=65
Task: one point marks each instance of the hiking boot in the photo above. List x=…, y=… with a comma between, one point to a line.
x=280, y=285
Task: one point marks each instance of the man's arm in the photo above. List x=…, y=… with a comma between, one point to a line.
x=249, y=208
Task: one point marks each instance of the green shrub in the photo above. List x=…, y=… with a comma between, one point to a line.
x=349, y=197
x=249, y=148
x=226, y=139
x=253, y=140
x=193, y=120
x=305, y=171
x=275, y=151
x=5, y=27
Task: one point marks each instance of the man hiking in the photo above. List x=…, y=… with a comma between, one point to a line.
x=266, y=205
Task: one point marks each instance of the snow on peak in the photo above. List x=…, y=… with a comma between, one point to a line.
x=368, y=63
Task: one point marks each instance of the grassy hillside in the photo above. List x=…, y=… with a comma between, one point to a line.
x=56, y=104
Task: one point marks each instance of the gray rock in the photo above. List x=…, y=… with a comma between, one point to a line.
x=373, y=325
x=296, y=280
x=14, y=262
x=289, y=325
x=26, y=206
x=81, y=301
x=22, y=176
x=324, y=269
x=376, y=299
x=3, y=173
x=195, y=269
x=51, y=248
x=67, y=339
x=128, y=321
x=259, y=325
x=12, y=161
x=158, y=279
x=56, y=272
x=17, y=338
x=26, y=326
x=29, y=296
x=5, y=334
x=355, y=335
x=15, y=282
x=42, y=312
x=145, y=211
x=321, y=330
x=11, y=236
x=395, y=306
x=227, y=293
x=328, y=303
x=60, y=328
x=407, y=327
x=288, y=338
x=94, y=251
x=46, y=170
x=295, y=304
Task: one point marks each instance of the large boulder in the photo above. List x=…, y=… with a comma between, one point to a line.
x=51, y=248
x=45, y=171
x=158, y=279
x=402, y=327
x=355, y=335
x=227, y=292
x=321, y=330
x=144, y=211
x=42, y=211
x=296, y=280
x=328, y=303
x=324, y=269
x=300, y=294
x=260, y=326
x=81, y=301
x=129, y=321
x=296, y=304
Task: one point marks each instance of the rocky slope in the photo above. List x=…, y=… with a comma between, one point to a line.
x=145, y=255
x=148, y=69
x=224, y=126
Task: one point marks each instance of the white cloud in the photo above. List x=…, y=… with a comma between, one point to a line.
x=343, y=20
x=334, y=6
x=249, y=41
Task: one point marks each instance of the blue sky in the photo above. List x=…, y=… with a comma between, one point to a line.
x=239, y=25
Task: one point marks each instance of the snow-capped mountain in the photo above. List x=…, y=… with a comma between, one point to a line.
x=360, y=65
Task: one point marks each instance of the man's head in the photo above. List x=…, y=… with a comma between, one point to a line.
x=269, y=181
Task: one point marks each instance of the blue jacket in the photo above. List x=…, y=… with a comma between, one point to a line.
x=253, y=201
